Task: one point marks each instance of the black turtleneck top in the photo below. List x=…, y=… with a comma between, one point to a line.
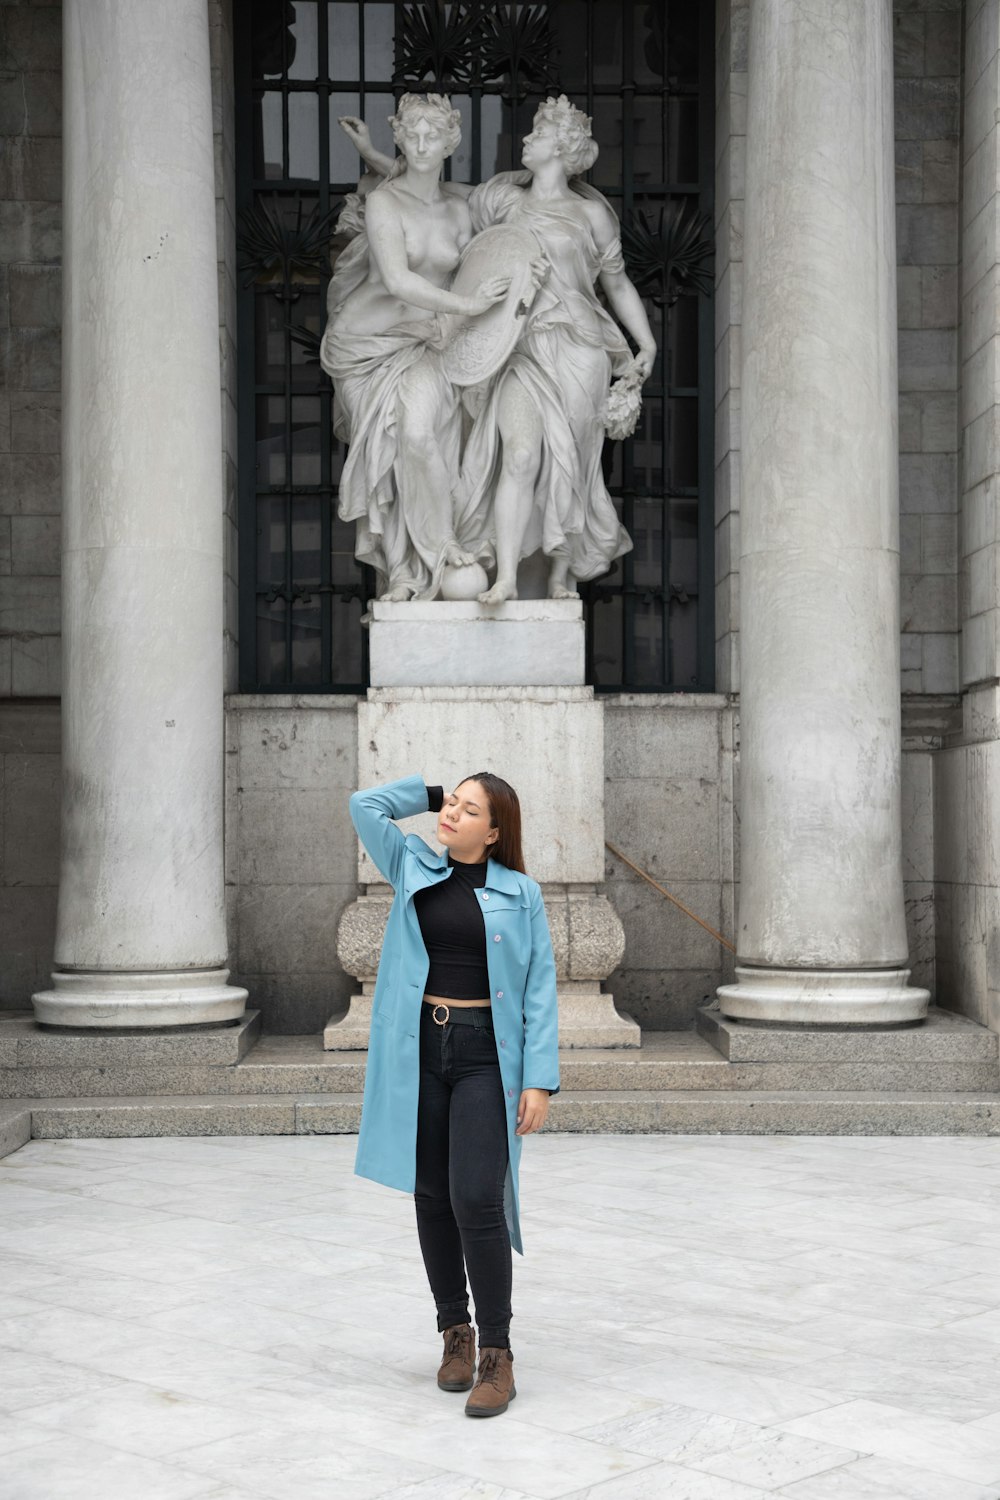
x=452, y=927
x=454, y=933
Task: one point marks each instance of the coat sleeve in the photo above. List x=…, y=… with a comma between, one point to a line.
x=541, y=1014
x=373, y=811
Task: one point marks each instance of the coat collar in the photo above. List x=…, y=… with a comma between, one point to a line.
x=498, y=877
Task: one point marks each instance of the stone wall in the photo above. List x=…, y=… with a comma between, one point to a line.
x=29, y=838
x=291, y=852
x=224, y=127
x=30, y=317
x=732, y=29
x=967, y=770
x=928, y=66
x=669, y=807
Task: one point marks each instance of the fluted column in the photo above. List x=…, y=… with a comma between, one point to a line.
x=141, y=935
x=821, y=932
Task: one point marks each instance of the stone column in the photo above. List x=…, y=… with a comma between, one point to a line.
x=141, y=933
x=821, y=931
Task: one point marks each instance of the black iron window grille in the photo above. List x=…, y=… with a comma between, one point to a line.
x=645, y=73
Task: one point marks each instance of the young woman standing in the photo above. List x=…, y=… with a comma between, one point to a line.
x=463, y=1053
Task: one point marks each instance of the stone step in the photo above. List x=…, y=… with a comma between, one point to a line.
x=625, y=1112
x=667, y=1061
x=945, y=1036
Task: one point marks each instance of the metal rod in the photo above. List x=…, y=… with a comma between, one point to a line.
x=685, y=909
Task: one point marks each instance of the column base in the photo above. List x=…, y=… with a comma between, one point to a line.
x=164, y=997
x=824, y=997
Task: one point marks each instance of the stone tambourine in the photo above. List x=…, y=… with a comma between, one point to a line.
x=479, y=346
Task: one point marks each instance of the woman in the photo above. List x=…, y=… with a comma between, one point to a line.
x=463, y=1053
x=393, y=405
x=535, y=447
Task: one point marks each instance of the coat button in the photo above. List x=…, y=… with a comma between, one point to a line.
x=499, y=994
x=486, y=895
x=510, y=1093
x=502, y=1042
x=496, y=937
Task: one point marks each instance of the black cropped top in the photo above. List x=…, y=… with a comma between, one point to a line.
x=454, y=933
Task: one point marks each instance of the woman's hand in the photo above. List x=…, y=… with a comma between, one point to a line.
x=532, y=1110
x=492, y=290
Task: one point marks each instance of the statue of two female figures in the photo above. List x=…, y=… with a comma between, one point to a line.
x=529, y=473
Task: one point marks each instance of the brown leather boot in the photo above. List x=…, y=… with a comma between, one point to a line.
x=459, y=1362
x=494, y=1388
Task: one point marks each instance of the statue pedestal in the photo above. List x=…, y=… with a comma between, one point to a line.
x=546, y=738
x=523, y=643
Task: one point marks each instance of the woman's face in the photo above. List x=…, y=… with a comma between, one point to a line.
x=464, y=823
x=423, y=140
x=540, y=146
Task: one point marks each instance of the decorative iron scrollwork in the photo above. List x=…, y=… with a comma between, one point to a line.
x=469, y=45
x=271, y=246
x=671, y=257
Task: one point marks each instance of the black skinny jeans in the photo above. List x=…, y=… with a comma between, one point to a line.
x=461, y=1165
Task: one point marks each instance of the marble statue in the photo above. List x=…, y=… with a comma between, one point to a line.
x=529, y=473
x=393, y=405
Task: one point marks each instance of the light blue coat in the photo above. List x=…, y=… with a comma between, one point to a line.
x=522, y=992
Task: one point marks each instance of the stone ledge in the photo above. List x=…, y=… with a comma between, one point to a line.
x=775, y=1112
x=772, y=1112
x=944, y=1036
x=23, y=1044
x=668, y=1070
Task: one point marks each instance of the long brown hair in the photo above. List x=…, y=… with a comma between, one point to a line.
x=505, y=814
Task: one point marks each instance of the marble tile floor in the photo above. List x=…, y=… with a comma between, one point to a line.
x=695, y=1318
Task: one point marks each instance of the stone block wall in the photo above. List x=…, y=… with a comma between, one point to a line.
x=671, y=794
x=967, y=770
x=928, y=67
x=980, y=408
x=30, y=318
x=670, y=807
x=224, y=125
x=731, y=33
x=291, y=852
x=29, y=841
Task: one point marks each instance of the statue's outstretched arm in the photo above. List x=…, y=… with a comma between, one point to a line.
x=385, y=166
x=358, y=134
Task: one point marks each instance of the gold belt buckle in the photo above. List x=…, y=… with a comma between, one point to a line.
x=447, y=1013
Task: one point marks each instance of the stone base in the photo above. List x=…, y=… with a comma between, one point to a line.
x=816, y=997
x=587, y=1018
x=185, y=997
x=523, y=643
x=350, y=1033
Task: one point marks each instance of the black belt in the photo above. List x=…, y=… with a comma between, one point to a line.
x=465, y=1015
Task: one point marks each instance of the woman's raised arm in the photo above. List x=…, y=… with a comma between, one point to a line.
x=373, y=811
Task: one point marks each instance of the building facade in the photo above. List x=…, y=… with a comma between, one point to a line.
x=804, y=645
